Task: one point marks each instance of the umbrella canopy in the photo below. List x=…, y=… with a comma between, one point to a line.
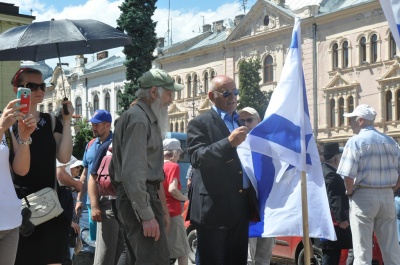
x=57, y=38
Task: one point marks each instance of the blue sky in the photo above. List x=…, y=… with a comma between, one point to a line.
x=175, y=4
x=187, y=16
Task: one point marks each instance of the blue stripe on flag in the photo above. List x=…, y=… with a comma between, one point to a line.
x=279, y=130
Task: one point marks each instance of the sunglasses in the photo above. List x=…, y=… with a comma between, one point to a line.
x=248, y=120
x=227, y=93
x=35, y=87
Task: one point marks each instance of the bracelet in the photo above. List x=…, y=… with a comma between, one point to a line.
x=79, y=201
x=28, y=142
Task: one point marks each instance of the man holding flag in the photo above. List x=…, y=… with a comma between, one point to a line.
x=281, y=151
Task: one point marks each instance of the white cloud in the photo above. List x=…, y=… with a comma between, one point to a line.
x=185, y=23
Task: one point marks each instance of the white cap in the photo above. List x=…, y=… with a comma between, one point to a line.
x=363, y=111
x=171, y=144
x=249, y=110
x=77, y=163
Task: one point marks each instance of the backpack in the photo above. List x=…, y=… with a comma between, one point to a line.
x=103, y=180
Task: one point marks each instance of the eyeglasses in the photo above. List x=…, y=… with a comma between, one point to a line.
x=35, y=87
x=227, y=93
x=248, y=120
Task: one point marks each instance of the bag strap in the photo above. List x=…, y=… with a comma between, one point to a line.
x=53, y=122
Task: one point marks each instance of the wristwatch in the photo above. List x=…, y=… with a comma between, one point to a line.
x=28, y=142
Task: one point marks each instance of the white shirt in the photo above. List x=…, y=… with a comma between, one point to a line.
x=10, y=205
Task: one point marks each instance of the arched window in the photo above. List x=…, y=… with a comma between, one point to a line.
x=119, y=100
x=332, y=112
x=194, y=85
x=96, y=102
x=363, y=50
x=212, y=74
x=374, y=48
x=266, y=20
x=393, y=47
x=189, y=86
x=350, y=104
x=171, y=127
x=268, y=69
x=341, y=111
x=335, y=56
x=398, y=104
x=107, y=102
x=179, y=94
x=176, y=127
x=182, y=127
x=389, y=114
x=345, y=54
x=78, y=106
x=205, y=82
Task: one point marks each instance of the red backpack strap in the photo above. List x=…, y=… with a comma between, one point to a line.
x=90, y=143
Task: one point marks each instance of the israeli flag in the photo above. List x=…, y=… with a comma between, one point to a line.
x=275, y=153
x=391, y=8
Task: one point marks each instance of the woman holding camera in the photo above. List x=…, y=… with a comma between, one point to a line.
x=52, y=139
x=17, y=152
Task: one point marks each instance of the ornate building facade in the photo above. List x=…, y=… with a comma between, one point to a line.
x=349, y=58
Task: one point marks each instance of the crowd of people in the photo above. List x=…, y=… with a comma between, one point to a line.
x=140, y=221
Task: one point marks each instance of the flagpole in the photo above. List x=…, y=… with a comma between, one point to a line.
x=306, y=234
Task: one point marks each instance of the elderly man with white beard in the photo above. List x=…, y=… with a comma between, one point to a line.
x=137, y=170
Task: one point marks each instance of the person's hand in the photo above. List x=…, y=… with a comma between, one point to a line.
x=167, y=222
x=151, y=229
x=76, y=227
x=26, y=127
x=10, y=116
x=96, y=214
x=70, y=110
x=238, y=135
x=78, y=209
x=344, y=224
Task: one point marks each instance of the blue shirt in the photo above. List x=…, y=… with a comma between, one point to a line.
x=231, y=122
x=371, y=158
x=88, y=159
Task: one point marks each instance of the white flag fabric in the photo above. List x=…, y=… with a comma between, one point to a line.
x=391, y=8
x=275, y=153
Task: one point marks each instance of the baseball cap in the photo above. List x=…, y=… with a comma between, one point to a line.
x=171, y=144
x=101, y=116
x=363, y=111
x=158, y=77
x=249, y=110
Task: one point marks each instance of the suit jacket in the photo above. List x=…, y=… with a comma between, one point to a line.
x=217, y=198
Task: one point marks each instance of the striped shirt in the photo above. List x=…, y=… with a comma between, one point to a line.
x=371, y=158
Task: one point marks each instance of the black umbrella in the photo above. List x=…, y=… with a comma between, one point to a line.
x=57, y=38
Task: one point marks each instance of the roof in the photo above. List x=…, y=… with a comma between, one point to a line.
x=328, y=6
x=106, y=63
x=214, y=38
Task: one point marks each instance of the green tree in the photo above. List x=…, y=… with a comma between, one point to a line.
x=83, y=135
x=250, y=93
x=135, y=20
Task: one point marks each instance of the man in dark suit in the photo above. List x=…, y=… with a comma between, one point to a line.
x=219, y=204
x=339, y=205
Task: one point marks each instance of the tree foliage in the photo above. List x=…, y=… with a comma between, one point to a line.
x=250, y=93
x=135, y=20
x=83, y=135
